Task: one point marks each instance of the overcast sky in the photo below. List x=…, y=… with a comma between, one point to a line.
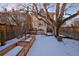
x=7, y=5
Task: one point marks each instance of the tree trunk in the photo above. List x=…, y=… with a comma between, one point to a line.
x=56, y=33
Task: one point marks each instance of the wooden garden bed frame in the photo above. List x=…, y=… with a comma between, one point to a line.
x=25, y=49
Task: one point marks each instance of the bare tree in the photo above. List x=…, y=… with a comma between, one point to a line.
x=55, y=23
x=41, y=12
x=27, y=25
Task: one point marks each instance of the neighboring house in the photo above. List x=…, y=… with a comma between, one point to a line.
x=39, y=25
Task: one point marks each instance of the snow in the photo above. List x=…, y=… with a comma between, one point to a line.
x=28, y=40
x=14, y=51
x=10, y=42
x=72, y=46
x=49, y=46
x=49, y=34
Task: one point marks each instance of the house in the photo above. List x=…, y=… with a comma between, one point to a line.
x=39, y=25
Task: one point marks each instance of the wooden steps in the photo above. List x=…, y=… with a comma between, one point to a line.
x=7, y=49
x=22, y=51
x=27, y=45
x=14, y=51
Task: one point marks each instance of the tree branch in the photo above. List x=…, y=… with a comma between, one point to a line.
x=57, y=10
x=62, y=10
x=70, y=17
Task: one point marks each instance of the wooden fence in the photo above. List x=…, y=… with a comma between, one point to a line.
x=8, y=32
x=72, y=32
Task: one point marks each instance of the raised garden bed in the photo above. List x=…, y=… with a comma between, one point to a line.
x=14, y=51
x=20, y=48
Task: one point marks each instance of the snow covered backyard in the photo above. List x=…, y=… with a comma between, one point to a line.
x=49, y=46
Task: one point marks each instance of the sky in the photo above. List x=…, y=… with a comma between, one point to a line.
x=7, y=5
x=71, y=10
x=51, y=9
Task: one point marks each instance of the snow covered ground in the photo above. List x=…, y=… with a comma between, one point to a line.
x=10, y=42
x=49, y=46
